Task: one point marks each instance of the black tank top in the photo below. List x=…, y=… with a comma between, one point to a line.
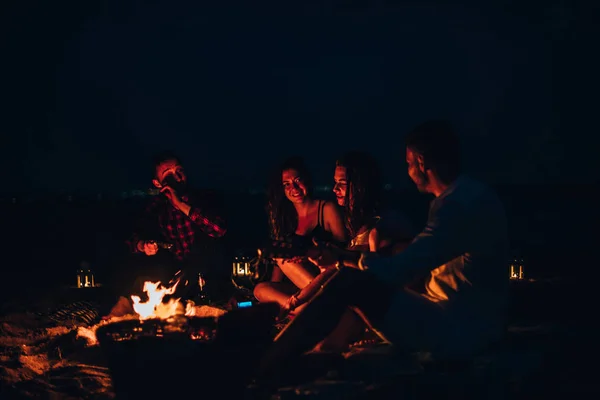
x=318, y=233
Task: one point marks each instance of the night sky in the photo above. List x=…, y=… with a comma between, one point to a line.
x=92, y=91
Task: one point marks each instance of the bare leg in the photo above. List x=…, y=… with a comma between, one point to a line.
x=277, y=292
x=301, y=274
x=350, y=328
x=322, y=314
x=315, y=285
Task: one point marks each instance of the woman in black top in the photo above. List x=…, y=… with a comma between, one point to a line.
x=358, y=189
x=294, y=213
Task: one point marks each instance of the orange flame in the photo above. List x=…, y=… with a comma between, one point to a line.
x=154, y=307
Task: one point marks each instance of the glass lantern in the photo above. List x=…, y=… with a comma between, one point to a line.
x=516, y=270
x=241, y=267
x=85, y=276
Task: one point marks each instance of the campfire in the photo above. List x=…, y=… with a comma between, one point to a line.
x=172, y=333
x=156, y=309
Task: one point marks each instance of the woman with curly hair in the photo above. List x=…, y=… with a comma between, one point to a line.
x=294, y=213
x=358, y=189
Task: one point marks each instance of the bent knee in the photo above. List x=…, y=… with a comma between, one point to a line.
x=260, y=291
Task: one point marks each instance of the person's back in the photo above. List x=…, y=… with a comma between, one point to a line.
x=473, y=286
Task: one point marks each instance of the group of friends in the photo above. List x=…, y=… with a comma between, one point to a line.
x=445, y=286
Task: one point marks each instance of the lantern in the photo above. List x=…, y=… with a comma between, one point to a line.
x=242, y=274
x=85, y=277
x=241, y=267
x=201, y=298
x=516, y=270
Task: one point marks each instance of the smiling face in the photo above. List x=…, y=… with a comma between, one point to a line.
x=293, y=186
x=340, y=187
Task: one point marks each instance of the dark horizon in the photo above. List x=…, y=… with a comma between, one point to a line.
x=551, y=235
x=568, y=189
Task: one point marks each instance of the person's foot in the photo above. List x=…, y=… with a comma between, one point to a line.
x=122, y=308
x=282, y=322
x=327, y=346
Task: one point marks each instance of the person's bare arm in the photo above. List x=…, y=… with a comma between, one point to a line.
x=277, y=275
x=386, y=245
x=334, y=222
x=205, y=218
x=445, y=237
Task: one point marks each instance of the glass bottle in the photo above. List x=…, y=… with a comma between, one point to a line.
x=201, y=297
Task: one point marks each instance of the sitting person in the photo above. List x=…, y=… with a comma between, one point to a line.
x=188, y=222
x=292, y=211
x=358, y=190
x=461, y=253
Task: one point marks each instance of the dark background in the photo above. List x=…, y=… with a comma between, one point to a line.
x=91, y=89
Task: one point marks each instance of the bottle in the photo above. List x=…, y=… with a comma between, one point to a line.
x=201, y=297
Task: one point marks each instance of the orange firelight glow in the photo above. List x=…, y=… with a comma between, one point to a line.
x=155, y=307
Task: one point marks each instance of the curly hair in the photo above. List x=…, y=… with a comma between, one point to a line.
x=364, y=189
x=283, y=219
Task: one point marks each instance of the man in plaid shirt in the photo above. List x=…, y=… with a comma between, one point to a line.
x=178, y=215
x=187, y=223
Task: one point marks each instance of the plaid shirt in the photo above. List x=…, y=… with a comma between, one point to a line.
x=162, y=221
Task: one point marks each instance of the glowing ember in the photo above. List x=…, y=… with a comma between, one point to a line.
x=154, y=307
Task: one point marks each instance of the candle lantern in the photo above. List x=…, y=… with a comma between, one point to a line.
x=242, y=274
x=85, y=276
x=516, y=270
x=241, y=266
x=521, y=273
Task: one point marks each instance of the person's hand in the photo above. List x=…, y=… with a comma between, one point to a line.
x=149, y=247
x=323, y=262
x=328, y=255
x=171, y=194
x=291, y=304
x=324, y=256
